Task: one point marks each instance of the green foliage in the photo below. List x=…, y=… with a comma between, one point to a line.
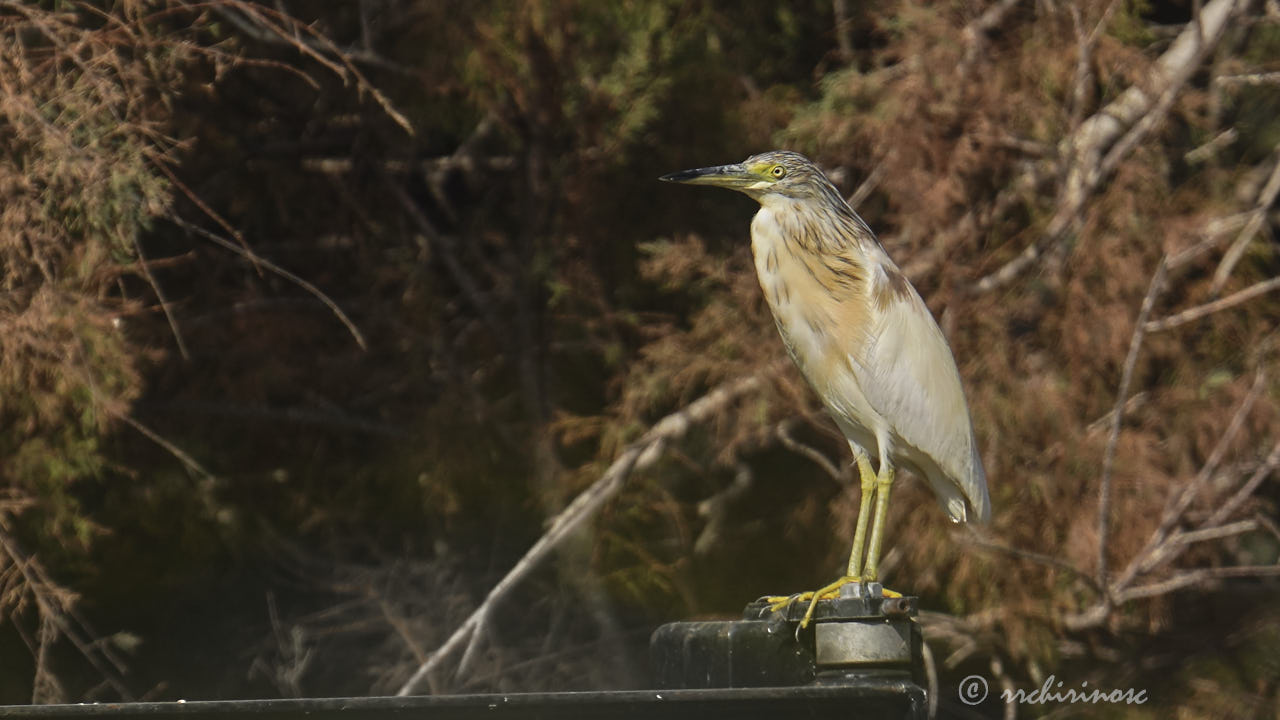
x=79, y=185
x=1128, y=24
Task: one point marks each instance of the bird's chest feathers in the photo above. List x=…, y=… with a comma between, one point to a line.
x=817, y=299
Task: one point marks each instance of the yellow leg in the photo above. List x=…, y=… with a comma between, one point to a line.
x=873, y=488
x=883, y=484
x=854, y=573
x=868, y=479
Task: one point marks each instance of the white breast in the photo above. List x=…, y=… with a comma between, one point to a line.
x=813, y=338
x=784, y=290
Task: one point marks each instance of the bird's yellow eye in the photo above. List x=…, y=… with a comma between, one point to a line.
x=778, y=172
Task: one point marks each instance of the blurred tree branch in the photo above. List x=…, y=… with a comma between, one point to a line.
x=637, y=456
x=56, y=616
x=1092, y=152
x=266, y=24
x=1117, y=415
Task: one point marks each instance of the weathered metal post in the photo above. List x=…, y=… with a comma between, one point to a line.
x=862, y=641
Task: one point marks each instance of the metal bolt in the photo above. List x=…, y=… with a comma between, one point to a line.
x=895, y=607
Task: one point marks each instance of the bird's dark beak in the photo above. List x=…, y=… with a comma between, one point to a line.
x=731, y=176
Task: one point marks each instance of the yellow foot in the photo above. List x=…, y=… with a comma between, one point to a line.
x=826, y=593
x=778, y=602
x=830, y=592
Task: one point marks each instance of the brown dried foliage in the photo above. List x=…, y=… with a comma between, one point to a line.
x=968, y=133
x=524, y=326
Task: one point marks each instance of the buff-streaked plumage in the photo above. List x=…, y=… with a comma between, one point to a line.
x=865, y=341
x=860, y=335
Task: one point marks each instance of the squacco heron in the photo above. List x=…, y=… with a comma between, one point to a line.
x=863, y=339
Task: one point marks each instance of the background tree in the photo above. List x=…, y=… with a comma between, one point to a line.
x=315, y=317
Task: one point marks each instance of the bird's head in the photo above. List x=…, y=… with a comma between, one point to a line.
x=778, y=172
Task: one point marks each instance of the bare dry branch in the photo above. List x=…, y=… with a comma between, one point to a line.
x=1130, y=405
x=1265, y=78
x=1084, y=74
x=972, y=538
x=1097, y=146
x=268, y=24
x=1174, y=510
x=1170, y=548
x=209, y=212
x=1126, y=377
x=45, y=688
x=1213, y=232
x=1158, y=549
x=840, y=9
x=1164, y=546
x=1201, y=576
x=1149, y=120
x=470, y=288
x=259, y=260
x=1092, y=617
x=1220, y=141
x=1267, y=524
x=1009, y=270
x=867, y=186
x=1215, y=533
x=165, y=305
x=716, y=507
x=1085, y=45
x=55, y=610
x=163, y=442
x=473, y=645
x=397, y=623
x=1196, y=39
x=638, y=455
x=969, y=634
x=783, y=433
x=1246, y=491
x=1199, y=311
x=1266, y=197
x=975, y=32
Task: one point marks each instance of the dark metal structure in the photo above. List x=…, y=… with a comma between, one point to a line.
x=860, y=658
